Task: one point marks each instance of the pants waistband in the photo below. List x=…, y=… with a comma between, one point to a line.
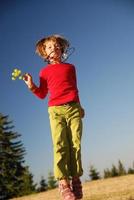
x=68, y=103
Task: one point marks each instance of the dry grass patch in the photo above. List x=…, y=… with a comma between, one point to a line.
x=120, y=188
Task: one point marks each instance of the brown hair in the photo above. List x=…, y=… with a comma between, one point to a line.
x=40, y=46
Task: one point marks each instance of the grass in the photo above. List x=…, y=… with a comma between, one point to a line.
x=119, y=188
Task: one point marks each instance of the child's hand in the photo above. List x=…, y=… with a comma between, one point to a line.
x=28, y=80
x=82, y=112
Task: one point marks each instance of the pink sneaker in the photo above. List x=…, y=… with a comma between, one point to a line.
x=77, y=188
x=66, y=192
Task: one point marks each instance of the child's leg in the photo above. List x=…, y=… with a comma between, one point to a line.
x=74, y=123
x=60, y=142
x=77, y=187
x=65, y=190
x=75, y=126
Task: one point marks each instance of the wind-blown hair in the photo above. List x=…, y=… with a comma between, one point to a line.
x=40, y=46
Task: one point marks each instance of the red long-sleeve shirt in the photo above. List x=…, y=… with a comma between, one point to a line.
x=60, y=81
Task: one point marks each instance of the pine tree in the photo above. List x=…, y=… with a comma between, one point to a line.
x=12, y=169
x=43, y=185
x=114, y=171
x=131, y=169
x=121, y=169
x=27, y=184
x=51, y=181
x=107, y=173
x=94, y=175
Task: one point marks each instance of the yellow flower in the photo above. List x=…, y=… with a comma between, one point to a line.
x=16, y=74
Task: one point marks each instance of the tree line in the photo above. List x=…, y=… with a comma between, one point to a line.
x=15, y=177
x=114, y=171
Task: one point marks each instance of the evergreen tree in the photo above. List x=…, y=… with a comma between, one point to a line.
x=27, y=184
x=121, y=169
x=131, y=169
x=51, y=181
x=12, y=171
x=107, y=173
x=94, y=175
x=114, y=171
x=43, y=185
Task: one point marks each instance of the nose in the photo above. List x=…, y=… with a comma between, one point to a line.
x=53, y=49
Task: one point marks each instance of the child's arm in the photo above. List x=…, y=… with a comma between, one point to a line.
x=82, y=112
x=40, y=91
x=29, y=82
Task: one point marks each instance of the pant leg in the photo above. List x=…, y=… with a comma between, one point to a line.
x=74, y=123
x=60, y=142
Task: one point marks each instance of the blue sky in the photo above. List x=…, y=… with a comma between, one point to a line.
x=102, y=33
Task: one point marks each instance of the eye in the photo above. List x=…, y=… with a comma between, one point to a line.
x=49, y=47
x=57, y=46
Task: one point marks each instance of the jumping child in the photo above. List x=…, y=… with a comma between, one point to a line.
x=65, y=113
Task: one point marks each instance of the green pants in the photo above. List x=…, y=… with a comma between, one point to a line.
x=66, y=129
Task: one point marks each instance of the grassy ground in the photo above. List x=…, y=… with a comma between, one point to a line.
x=120, y=188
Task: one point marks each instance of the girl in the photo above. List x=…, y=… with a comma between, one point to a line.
x=65, y=113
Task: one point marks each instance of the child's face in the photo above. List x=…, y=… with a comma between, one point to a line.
x=53, y=51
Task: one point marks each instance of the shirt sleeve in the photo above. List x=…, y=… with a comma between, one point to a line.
x=75, y=80
x=42, y=90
